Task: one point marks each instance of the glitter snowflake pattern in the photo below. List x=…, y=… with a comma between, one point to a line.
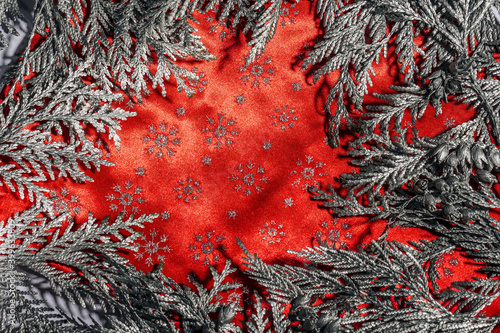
x=63, y=202
x=333, y=234
x=220, y=28
x=200, y=84
x=267, y=145
x=272, y=233
x=307, y=172
x=284, y=117
x=446, y=263
x=127, y=197
x=188, y=190
x=220, y=131
x=151, y=247
x=207, y=248
x=161, y=140
x=240, y=99
x=249, y=178
x=258, y=72
x=449, y=123
x=288, y=14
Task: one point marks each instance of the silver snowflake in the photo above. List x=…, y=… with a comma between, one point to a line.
x=207, y=247
x=249, y=178
x=284, y=117
x=63, y=202
x=257, y=72
x=445, y=263
x=220, y=132
x=288, y=202
x=272, y=233
x=232, y=214
x=234, y=298
x=307, y=172
x=128, y=196
x=449, y=123
x=188, y=189
x=296, y=86
x=240, y=99
x=180, y=111
x=206, y=160
x=161, y=140
x=266, y=145
x=151, y=248
x=140, y=171
x=165, y=215
x=333, y=234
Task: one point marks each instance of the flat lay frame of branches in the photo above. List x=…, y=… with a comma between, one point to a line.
x=446, y=184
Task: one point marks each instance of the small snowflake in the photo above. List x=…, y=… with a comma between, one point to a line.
x=296, y=86
x=180, y=111
x=220, y=131
x=188, y=190
x=161, y=140
x=333, y=234
x=257, y=72
x=63, y=202
x=205, y=247
x=140, y=171
x=445, y=263
x=288, y=202
x=249, y=178
x=272, y=233
x=449, y=123
x=206, y=160
x=284, y=118
x=232, y=214
x=266, y=145
x=307, y=172
x=240, y=99
x=151, y=247
x=128, y=197
x=165, y=215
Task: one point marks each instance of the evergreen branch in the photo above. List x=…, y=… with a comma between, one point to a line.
x=358, y=290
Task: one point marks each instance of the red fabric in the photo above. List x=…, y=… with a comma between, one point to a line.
x=266, y=221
